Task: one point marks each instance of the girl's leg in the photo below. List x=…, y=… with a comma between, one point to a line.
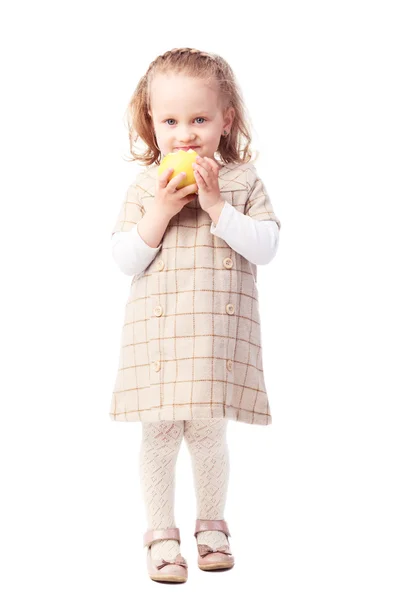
x=207, y=444
x=161, y=441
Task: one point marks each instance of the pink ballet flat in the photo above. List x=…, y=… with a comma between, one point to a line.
x=209, y=559
x=163, y=570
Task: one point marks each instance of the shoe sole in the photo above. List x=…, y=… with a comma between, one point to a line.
x=169, y=579
x=216, y=566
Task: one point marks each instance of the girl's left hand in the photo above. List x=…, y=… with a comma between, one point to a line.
x=206, y=175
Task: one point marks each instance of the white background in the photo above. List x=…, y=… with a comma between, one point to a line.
x=313, y=499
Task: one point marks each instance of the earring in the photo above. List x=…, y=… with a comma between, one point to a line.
x=226, y=133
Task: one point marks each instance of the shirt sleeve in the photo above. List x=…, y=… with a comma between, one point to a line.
x=131, y=253
x=256, y=240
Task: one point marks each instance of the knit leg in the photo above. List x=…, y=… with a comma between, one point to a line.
x=160, y=444
x=206, y=440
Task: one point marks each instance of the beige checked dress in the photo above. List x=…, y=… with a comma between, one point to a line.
x=191, y=342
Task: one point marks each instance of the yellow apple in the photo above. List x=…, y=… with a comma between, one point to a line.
x=181, y=162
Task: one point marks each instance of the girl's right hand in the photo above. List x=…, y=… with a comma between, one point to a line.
x=168, y=199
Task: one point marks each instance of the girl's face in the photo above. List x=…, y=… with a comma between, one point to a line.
x=186, y=113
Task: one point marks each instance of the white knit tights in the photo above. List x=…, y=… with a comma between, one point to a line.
x=206, y=441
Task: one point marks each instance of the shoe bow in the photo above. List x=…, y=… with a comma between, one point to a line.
x=178, y=560
x=204, y=549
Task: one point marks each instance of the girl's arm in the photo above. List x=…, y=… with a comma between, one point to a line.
x=137, y=235
x=256, y=240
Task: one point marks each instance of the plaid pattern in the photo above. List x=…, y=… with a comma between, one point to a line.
x=191, y=340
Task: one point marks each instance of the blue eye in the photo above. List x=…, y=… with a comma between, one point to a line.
x=166, y=121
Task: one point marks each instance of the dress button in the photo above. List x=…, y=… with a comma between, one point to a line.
x=156, y=365
x=228, y=262
x=230, y=309
x=158, y=311
x=160, y=265
x=229, y=364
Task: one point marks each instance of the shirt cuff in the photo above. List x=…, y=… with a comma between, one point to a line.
x=143, y=244
x=223, y=220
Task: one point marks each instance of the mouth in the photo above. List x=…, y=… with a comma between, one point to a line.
x=186, y=148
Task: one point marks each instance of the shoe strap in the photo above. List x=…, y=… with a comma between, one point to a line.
x=211, y=525
x=154, y=535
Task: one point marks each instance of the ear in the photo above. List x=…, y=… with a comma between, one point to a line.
x=229, y=117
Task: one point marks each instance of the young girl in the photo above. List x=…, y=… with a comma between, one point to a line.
x=191, y=353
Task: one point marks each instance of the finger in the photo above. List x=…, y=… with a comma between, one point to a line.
x=200, y=161
x=206, y=162
x=189, y=198
x=163, y=178
x=175, y=181
x=202, y=170
x=199, y=179
x=188, y=189
x=212, y=164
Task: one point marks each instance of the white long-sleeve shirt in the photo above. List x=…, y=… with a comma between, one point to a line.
x=256, y=240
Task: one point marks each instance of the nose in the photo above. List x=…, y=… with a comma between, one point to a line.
x=186, y=136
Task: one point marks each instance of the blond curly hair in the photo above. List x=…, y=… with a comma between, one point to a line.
x=234, y=148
